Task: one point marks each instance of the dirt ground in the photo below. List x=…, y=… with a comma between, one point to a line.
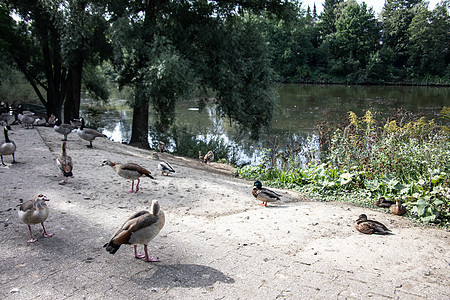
x=218, y=243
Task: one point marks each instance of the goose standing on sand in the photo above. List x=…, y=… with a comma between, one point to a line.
x=8, y=147
x=397, y=208
x=88, y=134
x=64, y=163
x=129, y=171
x=370, y=226
x=165, y=168
x=33, y=212
x=263, y=194
x=208, y=157
x=63, y=128
x=140, y=228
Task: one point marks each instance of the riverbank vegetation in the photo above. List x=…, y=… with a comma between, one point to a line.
x=367, y=157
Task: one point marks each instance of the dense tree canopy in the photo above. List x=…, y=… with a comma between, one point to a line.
x=230, y=51
x=50, y=45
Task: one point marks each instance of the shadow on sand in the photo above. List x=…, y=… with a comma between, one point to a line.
x=182, y=275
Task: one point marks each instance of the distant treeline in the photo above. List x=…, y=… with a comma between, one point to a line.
x=346, y=43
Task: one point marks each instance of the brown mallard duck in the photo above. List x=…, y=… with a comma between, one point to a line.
x=64, y=163
x=382, y=202
x=200, y=156
x=370, y=226
x=140, y=228
x=263, y=194
x=33, y=212
x=397, y=208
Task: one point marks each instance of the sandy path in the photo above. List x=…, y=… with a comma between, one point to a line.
x=217, y=242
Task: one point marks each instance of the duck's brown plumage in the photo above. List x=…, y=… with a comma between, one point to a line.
x=64, y=163
x=397, y=208
x=370, y=226
x=129, y=171
x=382, y=202
x=140, y=228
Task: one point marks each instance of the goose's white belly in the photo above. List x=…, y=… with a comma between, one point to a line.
x=145, y=235
x=33, y=216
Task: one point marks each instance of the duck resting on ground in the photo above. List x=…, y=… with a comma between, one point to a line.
x=64, y=163
x=382, y=202
x=129, y=171
x=165, y=168
x=33, y=212
x=63, y=128
x=88, y=134
x=263, y=194
x=140, y=228
x=8, y=147
x=397, y=208
x=370, y=226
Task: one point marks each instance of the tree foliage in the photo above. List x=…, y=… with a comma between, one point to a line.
x=234, y=51
x=50, y=43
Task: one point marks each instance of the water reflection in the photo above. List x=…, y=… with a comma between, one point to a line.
x=293, y=128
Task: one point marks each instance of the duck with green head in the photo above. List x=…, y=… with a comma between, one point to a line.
x=263, y=194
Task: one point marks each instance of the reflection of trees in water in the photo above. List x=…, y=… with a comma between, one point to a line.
x=294, y=126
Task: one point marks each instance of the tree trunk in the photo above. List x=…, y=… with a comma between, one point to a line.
x=73, y=93
x=139, y=129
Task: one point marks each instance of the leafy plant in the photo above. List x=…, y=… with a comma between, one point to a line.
x=407, y=157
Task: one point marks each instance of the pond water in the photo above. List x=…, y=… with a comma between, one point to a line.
x=294, y=122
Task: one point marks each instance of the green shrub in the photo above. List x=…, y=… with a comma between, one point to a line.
x=365, y=160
